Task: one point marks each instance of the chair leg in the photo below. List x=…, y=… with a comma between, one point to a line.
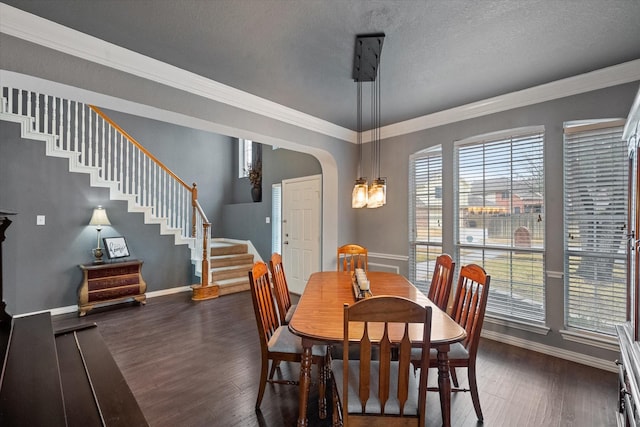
x=274, y=366
x=336, y=421
x=263, y=381
x=454, y=377
x=473, y=386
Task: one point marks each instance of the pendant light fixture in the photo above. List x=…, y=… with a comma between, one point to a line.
x=360, y=194
x=366, y=68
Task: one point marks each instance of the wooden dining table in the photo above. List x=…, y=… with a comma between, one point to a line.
x=318, y=319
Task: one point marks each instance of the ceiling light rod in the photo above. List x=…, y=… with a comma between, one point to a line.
x=366, y=68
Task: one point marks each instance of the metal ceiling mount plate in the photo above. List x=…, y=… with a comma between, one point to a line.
x=366, y=57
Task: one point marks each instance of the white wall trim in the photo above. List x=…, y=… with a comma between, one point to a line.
x=388, y=256
x=523, y=326
x=594, y=340
x=610, y=76
x=34, y=29
x=385, y=266
x=607, y=365
x=74, y=308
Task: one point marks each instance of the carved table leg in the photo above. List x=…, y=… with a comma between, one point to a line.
x=305, y=380
x=444, y=384
x=323, y=373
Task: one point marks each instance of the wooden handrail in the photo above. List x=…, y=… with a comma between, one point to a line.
x=195, y=212
x=140, y=147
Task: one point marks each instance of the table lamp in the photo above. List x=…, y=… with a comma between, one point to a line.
x=99, y=219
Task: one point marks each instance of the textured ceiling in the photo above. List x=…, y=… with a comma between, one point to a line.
x=437, y=54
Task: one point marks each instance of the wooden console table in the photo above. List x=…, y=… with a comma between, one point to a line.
x=111, y=282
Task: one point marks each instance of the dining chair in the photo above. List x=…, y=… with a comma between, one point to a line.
x=440, y=289
x=469, y=306
x=376, y=391
x=281, y=289
x=352, y=256
x=277, y=343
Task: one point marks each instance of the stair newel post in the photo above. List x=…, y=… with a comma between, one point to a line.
x=194, y=198
x=205, y=255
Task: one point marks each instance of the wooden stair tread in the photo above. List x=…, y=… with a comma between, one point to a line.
x=232, y=281
x=225, y=248
x=245, y=267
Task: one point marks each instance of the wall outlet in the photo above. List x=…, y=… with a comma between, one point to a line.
x=267, y=220
x=39, y=219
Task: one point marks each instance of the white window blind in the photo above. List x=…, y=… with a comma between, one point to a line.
x=276, y=218
x=425, y=214
x=500, y=218
x=595, y=215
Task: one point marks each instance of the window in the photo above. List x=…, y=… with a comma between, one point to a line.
x=496, y=176
x=245, y=157
x=425, y=210
x=595, y=215
x=276, y=218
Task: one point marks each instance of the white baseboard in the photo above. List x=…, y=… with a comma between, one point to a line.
x=74, y=308
x=607, y=365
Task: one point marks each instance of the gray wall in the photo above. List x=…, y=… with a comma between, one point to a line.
x=246, y=220
x=391, y=221
x=41, y=262
x=121, y=91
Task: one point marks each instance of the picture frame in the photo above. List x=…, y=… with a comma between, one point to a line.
x=116, y=247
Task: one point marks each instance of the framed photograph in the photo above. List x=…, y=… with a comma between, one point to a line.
x=116, y=247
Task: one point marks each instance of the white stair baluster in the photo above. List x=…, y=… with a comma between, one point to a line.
x=89, y=140
x=45, y=123
x=20, y=104
x=75, y=136
x=96, y=151
x=120, y=163
x=109, y=150
x=127, y=171
x=103, y=141
x=155, y=190
x=172, y=213
x=137, y=175
x=38, y=125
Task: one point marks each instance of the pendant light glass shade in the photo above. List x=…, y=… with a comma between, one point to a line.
x=359, y=196
x=377, y=193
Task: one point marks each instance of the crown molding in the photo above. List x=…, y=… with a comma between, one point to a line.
x=34, y=29
x=626, y=72
x=43, y=32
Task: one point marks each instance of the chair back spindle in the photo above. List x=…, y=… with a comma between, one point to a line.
x=352, y=256
x=386, y=385
x=440, y=289
x=280, y=287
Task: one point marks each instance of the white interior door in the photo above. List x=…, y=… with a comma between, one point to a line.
x=301, y=229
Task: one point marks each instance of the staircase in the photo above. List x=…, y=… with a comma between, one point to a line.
x=230, y=264
x=95, y=145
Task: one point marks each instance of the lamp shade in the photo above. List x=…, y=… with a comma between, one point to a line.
x=377, y=193
x=99, y=217
x=359, y=195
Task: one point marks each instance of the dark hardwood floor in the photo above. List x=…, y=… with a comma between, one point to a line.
x=197, y=364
